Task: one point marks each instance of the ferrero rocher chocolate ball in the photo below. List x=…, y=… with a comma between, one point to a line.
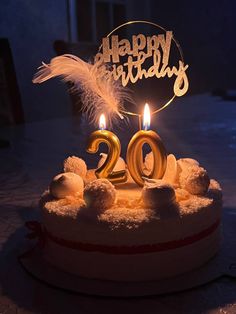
x=99, y=194
x=195, y=180
x=76, y=165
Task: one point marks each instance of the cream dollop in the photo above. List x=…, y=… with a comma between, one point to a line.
x=170, y=174
x=182, y=164
x=120, y=165
x=148, y=162
x=157, y=194
x=99, y=194
x=195, y=180
x=66, y=184
x=76, y=165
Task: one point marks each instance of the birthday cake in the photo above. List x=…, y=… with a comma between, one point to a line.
x=96, y=230
x=132, y=220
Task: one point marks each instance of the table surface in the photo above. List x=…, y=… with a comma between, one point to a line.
x=201, y=127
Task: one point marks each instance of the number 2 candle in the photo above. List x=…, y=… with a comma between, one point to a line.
x=114, y=149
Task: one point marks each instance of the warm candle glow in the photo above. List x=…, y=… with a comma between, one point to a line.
x=146, y=117
x=106, y=170
x=134, y=156
x=102, y=122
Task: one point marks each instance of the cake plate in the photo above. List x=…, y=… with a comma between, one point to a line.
x=224, y=263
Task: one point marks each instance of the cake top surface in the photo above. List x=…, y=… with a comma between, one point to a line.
x=184, y=202
x=129, y=210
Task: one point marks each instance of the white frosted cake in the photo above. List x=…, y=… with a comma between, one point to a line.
x=127, y=233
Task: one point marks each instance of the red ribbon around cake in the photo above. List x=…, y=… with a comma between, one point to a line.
x=37, y=231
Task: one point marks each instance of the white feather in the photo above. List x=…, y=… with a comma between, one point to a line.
x=99, y=93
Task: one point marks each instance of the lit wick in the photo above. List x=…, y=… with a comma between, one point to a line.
x=146, y=117
x=102, y=122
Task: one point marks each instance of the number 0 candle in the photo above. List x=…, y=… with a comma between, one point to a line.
x=134, y=157
x=114, y=149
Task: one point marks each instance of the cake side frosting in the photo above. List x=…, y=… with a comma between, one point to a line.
x=130, y=225
x=138, y=267
x=167, y=228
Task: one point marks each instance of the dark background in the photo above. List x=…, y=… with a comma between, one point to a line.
x=36, y=31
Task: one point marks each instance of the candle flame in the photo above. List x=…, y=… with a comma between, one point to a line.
x=146, y=117
x=102, y=122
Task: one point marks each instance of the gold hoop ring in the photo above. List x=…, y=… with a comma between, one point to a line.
x=177, y=45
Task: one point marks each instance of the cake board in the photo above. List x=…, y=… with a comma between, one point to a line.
x=224, y=263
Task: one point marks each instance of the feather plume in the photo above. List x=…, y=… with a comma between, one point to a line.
x=100, y=93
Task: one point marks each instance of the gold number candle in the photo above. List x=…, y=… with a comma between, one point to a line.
x=134, y=157
x=114, y=149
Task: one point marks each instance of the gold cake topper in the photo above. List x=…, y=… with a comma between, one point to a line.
x=137, y=51
x=119, y=61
